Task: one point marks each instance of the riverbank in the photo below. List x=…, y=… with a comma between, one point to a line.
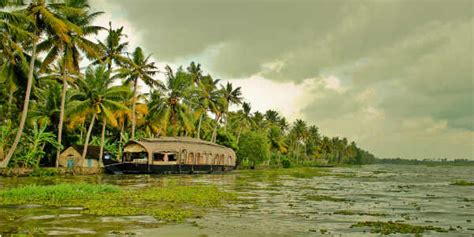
x=48, y=171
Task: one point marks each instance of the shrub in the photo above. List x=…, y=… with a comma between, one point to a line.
x=253, y=148
x=42, y=172
x=286, y=163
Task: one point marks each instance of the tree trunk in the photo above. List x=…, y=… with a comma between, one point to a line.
x=121, y=132
x=82, y=129
x=24, y=113
x=199, y=126
x=133, y=108
x=102, y=141
x=238, y=135
x=214, y=132
x=61, y=116
x=10, y=101
x=86, y=143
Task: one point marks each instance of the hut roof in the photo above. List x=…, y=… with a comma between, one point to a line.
x=152, y=142
x=93, y=152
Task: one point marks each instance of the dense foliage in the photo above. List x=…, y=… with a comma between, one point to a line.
x=48, y=102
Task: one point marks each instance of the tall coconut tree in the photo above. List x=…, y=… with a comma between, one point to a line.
x=245, y=119
x=13, y=63
x=299, y=130
x=206, y=99
x=272, y=117
x=97, y=97
x=138, y=68
x=230, y=96
x=113, y=48
x=46, y=18
x=172, y=103
x=76, y=12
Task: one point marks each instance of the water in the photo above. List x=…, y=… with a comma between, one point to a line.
x=283, y=205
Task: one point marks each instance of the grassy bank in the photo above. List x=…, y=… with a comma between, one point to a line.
x=170, y=203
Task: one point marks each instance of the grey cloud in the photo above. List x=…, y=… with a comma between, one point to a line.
x=416, y=55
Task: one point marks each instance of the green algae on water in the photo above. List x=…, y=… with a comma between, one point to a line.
x=319, y=198
x=169, y=203
x=462, y=183
x=352, y=213
x=391, y=227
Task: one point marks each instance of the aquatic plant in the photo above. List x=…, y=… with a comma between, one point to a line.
x=54, y=194
x=351, y=213
x=319, y=198
x=169, y=203
x=391, y=227
x=462, y=183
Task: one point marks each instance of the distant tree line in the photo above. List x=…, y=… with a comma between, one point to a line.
x=48, y=102
x=439, y=161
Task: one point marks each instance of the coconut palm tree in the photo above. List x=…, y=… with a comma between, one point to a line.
x=272, y=117
x=113, y=48
x=230, y=96
x=138, y=68
x=299, y=130
x=196, y=73
x=97, y=97
x=70, y=52
x=206, y=100
x=45, y=18
x=245, y=119
x=171, y=105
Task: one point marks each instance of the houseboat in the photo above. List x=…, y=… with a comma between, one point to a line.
x=173, y=155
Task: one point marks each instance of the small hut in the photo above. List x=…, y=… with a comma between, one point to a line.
x=72, y=158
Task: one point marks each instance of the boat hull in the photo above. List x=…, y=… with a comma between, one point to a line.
x=133, y=168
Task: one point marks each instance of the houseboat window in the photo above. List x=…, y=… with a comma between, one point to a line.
x=171, y=157
x=198, y=158
x=190, y=158
x=158, y=157
x=130, y=156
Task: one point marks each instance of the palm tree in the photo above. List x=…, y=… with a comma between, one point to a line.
x=272, y=117
x=299, y=130
x=245, y=119
x=258, y=120
x=326, y=146
x=113, y=48
x=97, y=97
x=70, y=52
x=196, y=73
x=207, y=99
x=230, y=96
x=45, y=18
x=139, y=68
x=171, y=104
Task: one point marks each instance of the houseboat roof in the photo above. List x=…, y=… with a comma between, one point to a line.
x=151, y=142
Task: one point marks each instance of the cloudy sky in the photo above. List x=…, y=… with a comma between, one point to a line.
x=394, y=76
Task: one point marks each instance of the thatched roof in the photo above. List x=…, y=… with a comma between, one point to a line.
x=93, y=152
x=150, y=143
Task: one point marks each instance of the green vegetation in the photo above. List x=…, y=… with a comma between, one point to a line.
x=169, y=203
x=352, y=213
x=319, y=198
x=462, y=183
x=390, y=227
x=254, y=148
x=48, y=102
x=295, y=172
